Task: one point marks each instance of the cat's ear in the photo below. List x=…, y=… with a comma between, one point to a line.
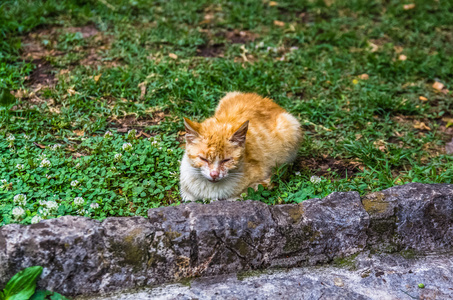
x=191, y=130
x=238, y=137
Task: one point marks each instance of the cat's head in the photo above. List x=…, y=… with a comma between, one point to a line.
x=216, y=149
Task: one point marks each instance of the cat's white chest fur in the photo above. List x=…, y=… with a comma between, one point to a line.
x=194, y=186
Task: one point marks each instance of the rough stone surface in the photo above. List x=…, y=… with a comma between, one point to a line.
x=69, y=248
x=221, y=238
x=379, y=277
x=414, y=216
x=82, y=256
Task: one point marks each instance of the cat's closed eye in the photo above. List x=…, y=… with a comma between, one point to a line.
x=225, y=160
x=203, y=159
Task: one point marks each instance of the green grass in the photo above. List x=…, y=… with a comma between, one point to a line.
x=79, y=68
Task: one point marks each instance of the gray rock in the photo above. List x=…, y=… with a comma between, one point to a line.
x=83, y=256
x=195, y=239
x=69, y=248
x=414, y=216
x=377, y=277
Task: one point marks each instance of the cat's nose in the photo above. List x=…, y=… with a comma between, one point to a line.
x=214, y=174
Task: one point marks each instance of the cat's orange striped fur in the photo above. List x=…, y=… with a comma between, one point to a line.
x=237, y=148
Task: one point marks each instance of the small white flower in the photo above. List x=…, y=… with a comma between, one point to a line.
x=36, y=219
x=83, y=212
x=259, y=45
x=127, y=146
x=132, y=133
x=42, y=156
x=118, y=157
x=297, y=173
x=77, y=166
x=18, y=212
x=113, y=169
x=10, y=138
x=43, y=211
x=45, y=163
x=74, y=183
x=155, y=143
x=27, y=137
x=55, y=147
x=108, y=135
x=20, y=199
x=315, y=179
x=3, y=183
x=94, y=205
x=51, y=205
x=48, y=176
x=20, y=166
x=78, y=201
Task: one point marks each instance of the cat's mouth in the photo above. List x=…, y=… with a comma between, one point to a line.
x=214, y=180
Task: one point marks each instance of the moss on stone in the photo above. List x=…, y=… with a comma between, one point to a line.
x=186, y=281
x=242, y=247
x=408, y=254
x=346, y=262
x=295, y=212
x=251, y=273
x=251, y=225
x=375, y=203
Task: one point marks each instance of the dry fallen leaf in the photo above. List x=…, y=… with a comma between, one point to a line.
x=71, y=92
x=142, y=87
x=364, y=76
x=408, y=6
x=402, y=57
x=374, y=47
x=273, y=3
x=438, y=86
x=96, y=78
x=141, y=133
x=421, y=126
x=423, y=98
x=39, y=145
x=279, y=23
x=173, y=56
x=381, y=145
x=398, y=49
x=449, y=122
x=78, y=132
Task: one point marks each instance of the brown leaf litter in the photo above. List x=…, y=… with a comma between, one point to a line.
x=320, y=165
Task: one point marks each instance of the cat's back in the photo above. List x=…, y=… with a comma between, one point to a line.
x=247, y=106
x=273, y=136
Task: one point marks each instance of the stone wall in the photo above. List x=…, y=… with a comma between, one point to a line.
x=84, y=256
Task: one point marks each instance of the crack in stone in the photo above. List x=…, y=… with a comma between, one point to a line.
x=228, y=247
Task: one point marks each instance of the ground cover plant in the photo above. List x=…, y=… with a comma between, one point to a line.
x=94, y=127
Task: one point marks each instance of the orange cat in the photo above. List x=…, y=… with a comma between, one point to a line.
x=237, y=147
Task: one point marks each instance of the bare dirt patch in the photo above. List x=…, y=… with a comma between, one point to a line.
x=321, y=164
x=215, y=50
x=86, y=31
x=123, y=124
x=42, y=43
x=240, y=36
x=43, y=74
